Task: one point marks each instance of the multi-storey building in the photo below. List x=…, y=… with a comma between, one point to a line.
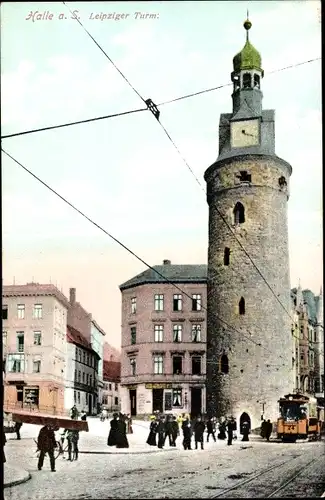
x=97, y=342
x=34, y=321
x=81, y=373
x=309, y=310
x=164, y=340
x=111, y=392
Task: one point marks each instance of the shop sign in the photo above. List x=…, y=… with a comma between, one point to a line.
x=158, y=386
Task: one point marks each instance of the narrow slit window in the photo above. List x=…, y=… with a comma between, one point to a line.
x=256, y=81
x=239, y=213
x=242, y=306
x=224, y=364
x=226, y=257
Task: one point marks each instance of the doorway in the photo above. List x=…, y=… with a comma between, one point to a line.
x=244, y=418
x=133, y=402
x=158, y=400
x=90, y=404
x=196, y=402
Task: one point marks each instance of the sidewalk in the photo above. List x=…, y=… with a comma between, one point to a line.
x=14, y=476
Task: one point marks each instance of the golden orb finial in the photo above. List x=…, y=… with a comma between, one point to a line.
x=247, y=24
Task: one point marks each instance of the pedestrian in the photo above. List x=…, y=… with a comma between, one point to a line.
x=187, y=434
x=234, y=427
x=245, y=431
x=18, y=426
x=222, y=430
x=72, y=438
x=230, y=429
x=83, y=415
x=199, y=427
x=62, y=433
x=211, y=429
x=129, y=424
x=161, y=431
x=4, y=440
x=268, y=430
x=175, y=430
x=46, y=444
x=112, y=437
x=169, y=428
x=121, y=439
x=74, y=414
x=153, y=432
x=263, y=429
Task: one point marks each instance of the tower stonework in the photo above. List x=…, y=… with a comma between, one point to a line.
x=249, y=367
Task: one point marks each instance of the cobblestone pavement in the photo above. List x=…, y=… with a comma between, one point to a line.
x=181, y=474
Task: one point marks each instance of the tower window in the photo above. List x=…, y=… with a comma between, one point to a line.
x=236, y=83
x=224, y=364
x=256, y=81
x=242, y=306
x=244, y=176
x=247, y=80
x=282, y=182
x=226, y=257
x=239, y=213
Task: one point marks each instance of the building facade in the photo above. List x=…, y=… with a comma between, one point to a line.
x=111, y=392
x=81, y=387
x=34, y=322
x=249, y=343
x=164, y=341
x=97, y=337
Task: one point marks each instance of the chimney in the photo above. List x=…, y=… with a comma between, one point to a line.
x=72, y=296
x=166, y=262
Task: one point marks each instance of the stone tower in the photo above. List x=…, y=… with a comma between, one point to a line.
x=248, y=186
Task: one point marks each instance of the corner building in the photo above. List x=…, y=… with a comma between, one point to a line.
x=164, y=341
x=248, y=187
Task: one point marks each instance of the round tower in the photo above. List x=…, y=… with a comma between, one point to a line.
x=249, y=368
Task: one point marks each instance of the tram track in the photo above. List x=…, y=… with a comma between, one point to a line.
x=224, y=493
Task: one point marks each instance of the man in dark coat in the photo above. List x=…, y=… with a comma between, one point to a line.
x=268, y=430
x=112, y=437
x=199, y=427
x=222, y=430
x=245, y=431
x=263, y=429
x=168, y=428
x=174, y=430
x=230, y=429
x=187, y=433
x=18, y=426
x=211, y=429
x=46, y=443
x=161, y=432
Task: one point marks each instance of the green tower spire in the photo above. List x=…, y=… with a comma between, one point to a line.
x=248, y=58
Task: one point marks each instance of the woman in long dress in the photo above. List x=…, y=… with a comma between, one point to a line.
x=153, y=432
x=121, y=439
x=112, y=437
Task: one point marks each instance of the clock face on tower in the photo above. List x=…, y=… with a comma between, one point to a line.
x=245, y=133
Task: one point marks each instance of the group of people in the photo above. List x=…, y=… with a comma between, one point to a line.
x=46, y=444
x=120, y=426
x=163, y=427
x=266, y=429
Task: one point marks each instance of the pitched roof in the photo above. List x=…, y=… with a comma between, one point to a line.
x=178, y=273
x=75, y=337
x=111, y=371
x=310, y=299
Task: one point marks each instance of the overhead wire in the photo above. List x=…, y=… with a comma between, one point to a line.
x=184, y=160
x=142, y=109
x=119, y=242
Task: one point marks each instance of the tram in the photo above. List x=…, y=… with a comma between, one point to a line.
x=298, y=418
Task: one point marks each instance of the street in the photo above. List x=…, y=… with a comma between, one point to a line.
x=253, y=469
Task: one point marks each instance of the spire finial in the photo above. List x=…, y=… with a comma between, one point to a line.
x=247, y=25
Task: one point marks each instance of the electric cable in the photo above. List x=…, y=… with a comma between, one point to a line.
x=130, y=251
x=186, y=163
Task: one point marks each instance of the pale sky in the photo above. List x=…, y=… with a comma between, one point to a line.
x=123, y=172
